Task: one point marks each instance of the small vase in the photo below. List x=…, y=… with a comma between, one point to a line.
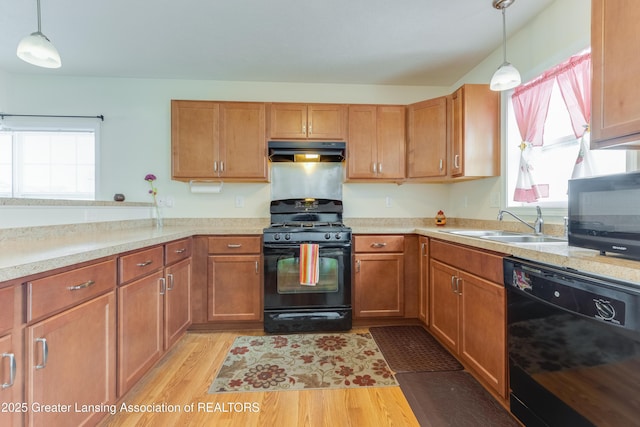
x=158, y=222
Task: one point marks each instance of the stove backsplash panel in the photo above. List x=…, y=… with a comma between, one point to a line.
x=301, y=180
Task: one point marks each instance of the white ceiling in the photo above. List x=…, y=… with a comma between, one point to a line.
x=402, y=42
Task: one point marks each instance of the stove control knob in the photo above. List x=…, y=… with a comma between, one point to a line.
x=276, y=236
x=327, y=236
x=287, y=236
x=338, y=236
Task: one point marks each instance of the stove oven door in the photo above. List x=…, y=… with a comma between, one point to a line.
x=282, y=288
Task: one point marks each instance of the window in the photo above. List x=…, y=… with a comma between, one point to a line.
x=551, y=164
x=46, y=163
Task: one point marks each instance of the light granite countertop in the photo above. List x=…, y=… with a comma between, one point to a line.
x=28, y=253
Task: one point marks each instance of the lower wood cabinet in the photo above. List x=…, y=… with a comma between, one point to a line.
x=378, y=277
x=177, y=301
x=11, y=357
x=71, y=361
x=235, y=278
x=423, y=283
x=140, y=332
x=154, y=310
x=468, y=309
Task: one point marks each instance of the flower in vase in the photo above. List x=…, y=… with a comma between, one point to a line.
x=153, y=191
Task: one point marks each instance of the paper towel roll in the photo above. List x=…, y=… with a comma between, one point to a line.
x=205, y=186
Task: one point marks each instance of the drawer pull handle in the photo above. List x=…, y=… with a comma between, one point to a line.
x=234, y=245
x=45, y=352
x=144, y=264
x=357, y=266
x=378, y=245
x=12, y=371
x=171, y=282
x=180, y=251
x=82, y=285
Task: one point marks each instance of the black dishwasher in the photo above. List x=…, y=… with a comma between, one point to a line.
x=574, y=347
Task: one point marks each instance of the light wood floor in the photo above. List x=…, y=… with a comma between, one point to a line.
x=184, y=375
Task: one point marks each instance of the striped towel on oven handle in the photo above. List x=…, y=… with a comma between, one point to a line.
x=309, y=264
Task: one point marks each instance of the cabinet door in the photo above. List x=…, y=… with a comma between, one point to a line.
x=615, y=116
x=11, y=374
x=391, y=142
x=444, y=303
x=362, y=149
x=423, y=289
x=140, y=339
x=242, y=145
x=194, y=139
x=235, y=287
x=71, y=358
x=456, y=133
x=288, y=121
x=474, y=112
x=483, y=333
x=379, y=285
x=177, y=301
x=427, y=148
x=326, y=121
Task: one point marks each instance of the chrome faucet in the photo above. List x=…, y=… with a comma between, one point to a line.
x=537, y=225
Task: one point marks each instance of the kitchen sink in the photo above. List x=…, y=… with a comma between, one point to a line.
x=482, y=233
x=526, y=238
x=507, y=236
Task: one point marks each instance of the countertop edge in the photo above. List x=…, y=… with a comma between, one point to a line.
x=24, y=259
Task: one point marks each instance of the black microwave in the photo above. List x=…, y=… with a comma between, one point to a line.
x=604, y=213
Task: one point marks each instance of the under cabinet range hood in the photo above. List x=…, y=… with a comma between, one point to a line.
x=306, y=151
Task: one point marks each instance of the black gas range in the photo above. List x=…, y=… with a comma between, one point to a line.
x=289, y=305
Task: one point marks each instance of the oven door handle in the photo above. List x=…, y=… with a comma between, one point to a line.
x=297, y=246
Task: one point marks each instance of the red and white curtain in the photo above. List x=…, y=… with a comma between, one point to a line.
x=531, y=105
x=574, y=80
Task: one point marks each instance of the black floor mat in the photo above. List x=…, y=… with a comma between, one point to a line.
x=452, y=399
x=412, y=349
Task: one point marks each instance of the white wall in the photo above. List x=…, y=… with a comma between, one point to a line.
x=136, y=131
x=558, y=32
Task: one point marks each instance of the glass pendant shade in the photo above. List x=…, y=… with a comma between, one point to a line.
x=506, y=77
x=36, y=49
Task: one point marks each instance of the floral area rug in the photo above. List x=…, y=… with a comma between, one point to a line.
x=303, y=361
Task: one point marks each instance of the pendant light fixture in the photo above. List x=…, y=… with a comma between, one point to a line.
x=506, y=76
x=36, y=49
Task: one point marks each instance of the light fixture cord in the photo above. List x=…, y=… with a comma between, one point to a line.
x=39, y=26
x=504, y=34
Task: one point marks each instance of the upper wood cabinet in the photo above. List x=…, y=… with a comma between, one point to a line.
x=474, y=118
x=307, y=121
x=615, y=107
x=427, y=145
x=376, y=148
x=218, y=140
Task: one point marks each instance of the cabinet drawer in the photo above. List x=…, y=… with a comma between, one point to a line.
x=177, y=251
x=53, y=293
x=140, y=263
x=379, y=243
x=479, y=262
x=7, y=305
x=235, y=245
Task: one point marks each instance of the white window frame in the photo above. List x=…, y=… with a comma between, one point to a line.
x=58, y=124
